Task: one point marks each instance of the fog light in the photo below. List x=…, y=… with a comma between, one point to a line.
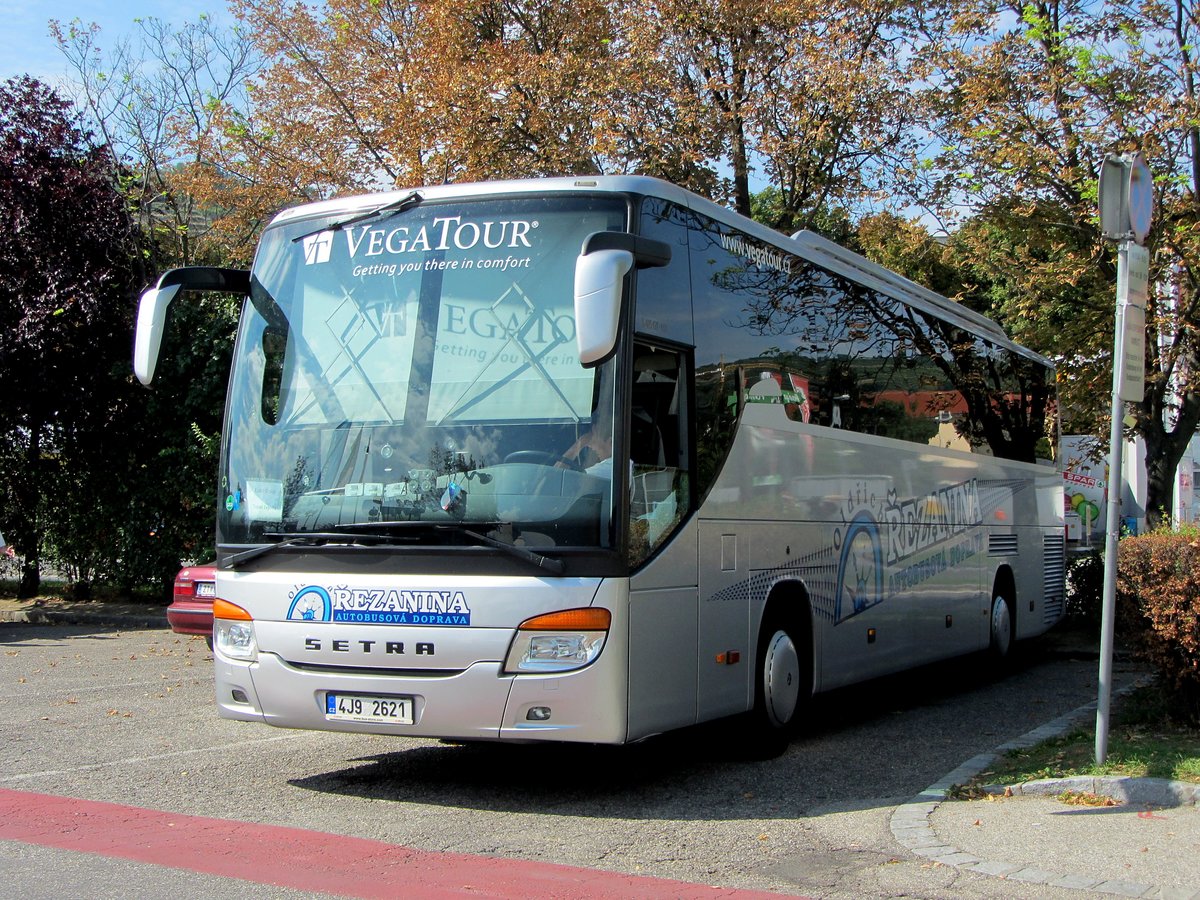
x=240, y=696
x=538, y=714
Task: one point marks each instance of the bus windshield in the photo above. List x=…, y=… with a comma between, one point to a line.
x=419, y=366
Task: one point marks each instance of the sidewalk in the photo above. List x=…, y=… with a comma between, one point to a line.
x=53, y=611
x=1147, y=844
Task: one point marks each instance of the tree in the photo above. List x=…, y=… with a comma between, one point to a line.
x=154, y=99
x=159, y=99
x=816, y=97
x=1029, y=100
x=357, y=95
x=67, y=261
x=362, y=95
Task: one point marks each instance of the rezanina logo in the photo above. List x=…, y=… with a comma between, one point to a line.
x=314, y=603
x=443, y=233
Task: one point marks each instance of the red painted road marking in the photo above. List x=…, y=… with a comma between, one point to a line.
x=311, y=860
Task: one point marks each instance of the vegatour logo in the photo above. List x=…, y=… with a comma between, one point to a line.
x=317, y=248
x=443, y=233
x=380, y=606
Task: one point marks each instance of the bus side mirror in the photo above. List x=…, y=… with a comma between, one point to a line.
x=151, y=318
x=599, y=277
x=600, y=270
x=152, y=309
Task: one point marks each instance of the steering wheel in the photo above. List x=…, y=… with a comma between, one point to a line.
x=540, y=458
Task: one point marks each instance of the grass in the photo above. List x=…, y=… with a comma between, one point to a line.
x=1145, y=740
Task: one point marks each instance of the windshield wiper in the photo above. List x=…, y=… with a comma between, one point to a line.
x=550, y=564
x=542, y=562
x=408, y=201
x=301, y=539
x=373, y=534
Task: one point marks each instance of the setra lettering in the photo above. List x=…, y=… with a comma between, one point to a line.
x=388, y=648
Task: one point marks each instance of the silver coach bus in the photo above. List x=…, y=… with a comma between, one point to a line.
x=591, y=459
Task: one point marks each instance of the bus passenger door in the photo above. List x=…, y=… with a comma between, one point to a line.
x=662, y=546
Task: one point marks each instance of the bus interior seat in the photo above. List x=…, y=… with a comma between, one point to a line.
x=655, y=409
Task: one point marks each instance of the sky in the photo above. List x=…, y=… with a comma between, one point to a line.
x=27, y=48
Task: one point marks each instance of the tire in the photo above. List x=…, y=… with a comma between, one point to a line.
x=1002, y=626
x=782, y=686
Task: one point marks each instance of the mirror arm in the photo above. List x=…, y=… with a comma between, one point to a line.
x=207, y=278
x=647, y=252
x=152, y=310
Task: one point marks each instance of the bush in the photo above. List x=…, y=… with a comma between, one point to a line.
x=1085, y=588
x=1158, y=586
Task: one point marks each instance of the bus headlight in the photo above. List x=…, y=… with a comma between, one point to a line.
x=233, y=631
x=558, y=642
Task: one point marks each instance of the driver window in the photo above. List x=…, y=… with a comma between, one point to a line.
x=660, y=494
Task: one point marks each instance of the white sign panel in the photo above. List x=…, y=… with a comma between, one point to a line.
x=1133, y=280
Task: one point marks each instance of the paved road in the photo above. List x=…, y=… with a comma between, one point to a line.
x=127, y=718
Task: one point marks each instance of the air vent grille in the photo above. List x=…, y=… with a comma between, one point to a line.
x=1002, y=545
x=1054, y=571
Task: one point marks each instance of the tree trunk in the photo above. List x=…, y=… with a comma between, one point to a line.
x=27, y=497
x=1164, y=450
x=31, y=579
x=741, y=169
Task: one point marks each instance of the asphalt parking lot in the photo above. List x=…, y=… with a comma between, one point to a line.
x=126, y=717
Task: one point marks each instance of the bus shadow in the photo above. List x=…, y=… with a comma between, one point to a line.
x=868, y=741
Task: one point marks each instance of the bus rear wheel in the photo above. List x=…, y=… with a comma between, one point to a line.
x=1001, y=627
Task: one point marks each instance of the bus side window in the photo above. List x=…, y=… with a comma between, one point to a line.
x=660, y=494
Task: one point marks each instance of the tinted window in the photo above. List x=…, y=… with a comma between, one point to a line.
x=664, y=295
x=845, y=356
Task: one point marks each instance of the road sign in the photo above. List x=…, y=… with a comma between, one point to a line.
x=1126, y=198
x=1141, y=198
x=1126, y=209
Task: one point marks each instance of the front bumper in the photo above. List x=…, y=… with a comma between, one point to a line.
x=478, y=703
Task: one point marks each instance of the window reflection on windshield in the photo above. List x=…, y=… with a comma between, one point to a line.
x=421, y=368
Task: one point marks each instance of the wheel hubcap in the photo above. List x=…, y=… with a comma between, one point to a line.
x=781, y=678
x=1001, y=626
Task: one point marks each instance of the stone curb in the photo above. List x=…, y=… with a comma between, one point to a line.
x=1141, y=791
x=81, y=617
x=912, y=829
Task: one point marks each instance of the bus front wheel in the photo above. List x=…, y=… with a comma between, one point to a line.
x=783, y=686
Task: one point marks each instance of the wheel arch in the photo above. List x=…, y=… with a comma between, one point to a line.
x=1004, y=583
x=788, y=600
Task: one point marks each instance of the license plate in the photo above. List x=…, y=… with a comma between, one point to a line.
x=206, y=589
x=369, y=708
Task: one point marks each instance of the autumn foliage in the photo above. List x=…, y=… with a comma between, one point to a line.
x=1158, y=589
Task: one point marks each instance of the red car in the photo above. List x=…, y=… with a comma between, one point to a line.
x=190, y=611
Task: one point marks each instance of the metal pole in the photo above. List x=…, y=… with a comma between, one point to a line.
x=1113, y=527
